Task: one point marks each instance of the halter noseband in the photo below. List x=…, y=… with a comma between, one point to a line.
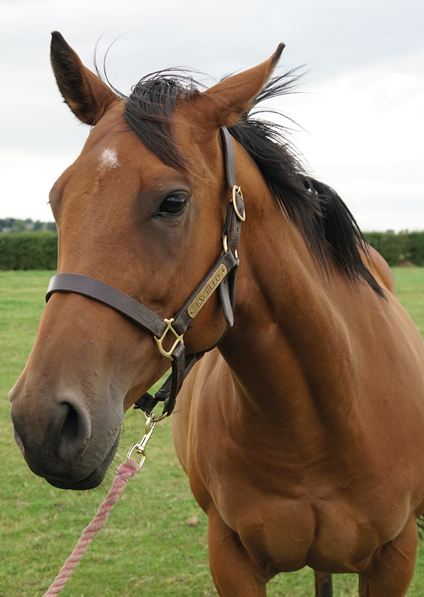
x=222, y=276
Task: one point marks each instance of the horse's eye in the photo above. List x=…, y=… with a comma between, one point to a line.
x=174, y=204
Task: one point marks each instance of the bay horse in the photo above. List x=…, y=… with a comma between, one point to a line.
x=302, y=428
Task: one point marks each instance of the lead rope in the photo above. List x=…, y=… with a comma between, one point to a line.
x=125, y=471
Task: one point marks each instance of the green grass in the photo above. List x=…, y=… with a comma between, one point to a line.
x=410, y=292
x=148, y=546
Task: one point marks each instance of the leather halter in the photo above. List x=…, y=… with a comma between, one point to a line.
x=222, y=276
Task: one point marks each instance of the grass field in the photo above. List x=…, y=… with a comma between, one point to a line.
x=154, y=543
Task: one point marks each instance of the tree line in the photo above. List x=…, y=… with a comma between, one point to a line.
x=14, y=225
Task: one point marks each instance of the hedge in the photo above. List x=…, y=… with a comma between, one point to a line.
x=395, y=248
x=28, y=250
x=416, y=248
x=38, y=250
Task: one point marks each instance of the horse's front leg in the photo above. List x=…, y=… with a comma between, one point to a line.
x=323, y=584
x=390, y=572
x=232, y=569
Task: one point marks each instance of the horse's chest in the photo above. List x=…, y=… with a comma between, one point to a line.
x=285, y=524
x=283, y=534
x=291, y=512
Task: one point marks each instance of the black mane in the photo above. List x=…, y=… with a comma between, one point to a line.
x=315, y=208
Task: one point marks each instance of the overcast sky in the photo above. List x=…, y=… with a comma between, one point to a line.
x=361, y=102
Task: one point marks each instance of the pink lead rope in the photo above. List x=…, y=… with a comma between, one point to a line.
x=124, y=472
x=127, y=470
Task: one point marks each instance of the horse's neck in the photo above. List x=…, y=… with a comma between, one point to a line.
x=288, y=349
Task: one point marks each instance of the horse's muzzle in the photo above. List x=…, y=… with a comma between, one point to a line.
x=59, y=441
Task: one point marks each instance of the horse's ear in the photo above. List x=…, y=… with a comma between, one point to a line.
x=224, y=103
x=86, y=95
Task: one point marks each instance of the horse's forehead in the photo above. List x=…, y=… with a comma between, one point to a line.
x=109, y=130
x=113, y=143
x=108, y=158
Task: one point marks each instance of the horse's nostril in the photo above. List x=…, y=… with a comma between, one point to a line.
x=75, y=432
x=70, y=424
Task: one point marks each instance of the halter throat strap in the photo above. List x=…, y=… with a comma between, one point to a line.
x=222, y=276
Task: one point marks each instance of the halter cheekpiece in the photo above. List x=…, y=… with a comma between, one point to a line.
x=222, y=277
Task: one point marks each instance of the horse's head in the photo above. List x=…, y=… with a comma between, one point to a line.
x=142, y=210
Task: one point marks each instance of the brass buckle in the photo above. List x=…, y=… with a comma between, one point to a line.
x=237, y=191
x=159, y=341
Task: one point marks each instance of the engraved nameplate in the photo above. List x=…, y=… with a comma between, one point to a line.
x=207, y=291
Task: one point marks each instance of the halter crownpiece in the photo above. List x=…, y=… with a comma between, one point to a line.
x=222, y=276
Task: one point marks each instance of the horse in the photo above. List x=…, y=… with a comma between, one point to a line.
x=188, y=228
